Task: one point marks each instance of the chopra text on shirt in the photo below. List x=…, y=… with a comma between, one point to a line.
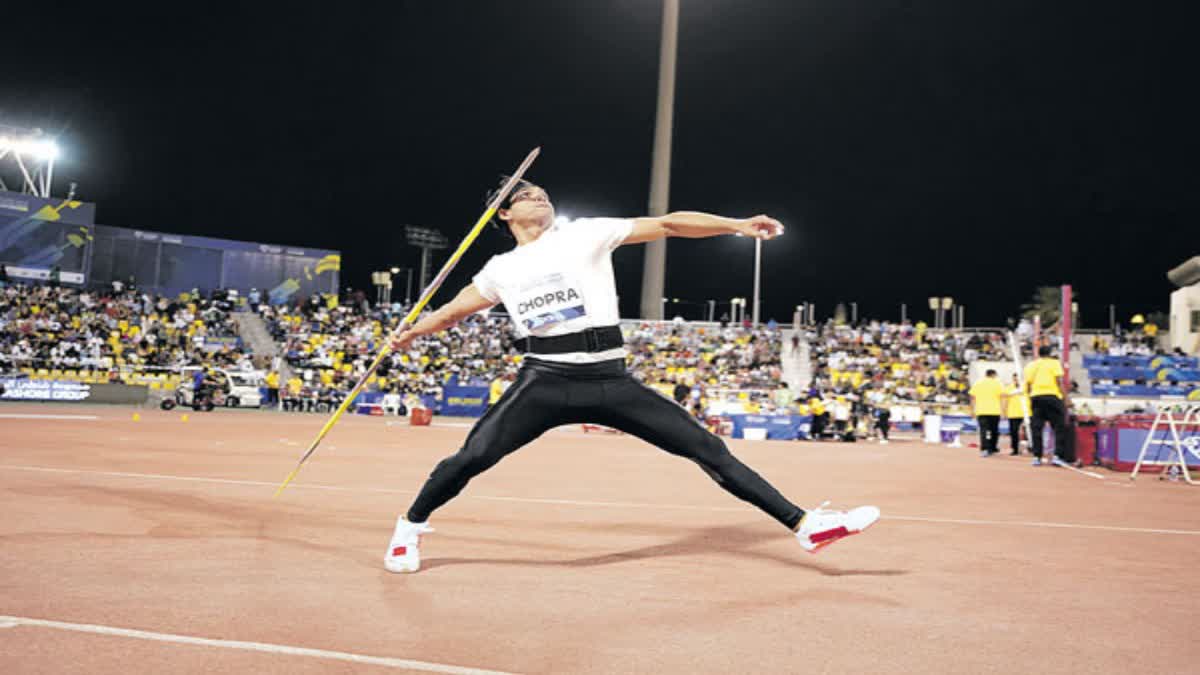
x=547, y=299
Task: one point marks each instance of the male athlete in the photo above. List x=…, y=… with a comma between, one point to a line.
x=558, y=287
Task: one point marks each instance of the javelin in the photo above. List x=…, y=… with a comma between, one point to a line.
x=426, y=295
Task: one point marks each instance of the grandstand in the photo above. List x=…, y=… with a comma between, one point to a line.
x=136, y=306
x=1143, y=376
x=58, y=240
x=137, y=337
x=72, y=335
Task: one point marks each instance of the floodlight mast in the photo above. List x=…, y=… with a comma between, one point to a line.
x=427, y=239
x=31, y=152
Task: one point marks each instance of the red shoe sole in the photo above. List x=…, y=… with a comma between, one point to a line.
x=827, y=542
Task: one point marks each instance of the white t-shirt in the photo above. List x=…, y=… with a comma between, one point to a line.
x=560, y=283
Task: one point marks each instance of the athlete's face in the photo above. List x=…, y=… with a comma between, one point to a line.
x=530, y=204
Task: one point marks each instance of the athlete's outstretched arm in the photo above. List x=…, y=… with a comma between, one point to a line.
x=467, y=302
x=694, y=225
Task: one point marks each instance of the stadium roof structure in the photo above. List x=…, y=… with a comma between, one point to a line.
x=1187, y=273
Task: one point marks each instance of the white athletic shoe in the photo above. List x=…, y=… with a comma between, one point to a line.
x=821, y=527
x=404, y=552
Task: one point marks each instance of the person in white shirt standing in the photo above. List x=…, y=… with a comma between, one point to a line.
x=558, y=287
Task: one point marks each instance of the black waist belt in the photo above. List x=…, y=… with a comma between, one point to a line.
x=589, y=340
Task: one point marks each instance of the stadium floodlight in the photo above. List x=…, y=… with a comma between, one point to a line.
x=31, y=154
x=46, y=150
x=37, y=149
x=395, y=270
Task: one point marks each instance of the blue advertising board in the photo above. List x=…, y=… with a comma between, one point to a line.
x=778, y=427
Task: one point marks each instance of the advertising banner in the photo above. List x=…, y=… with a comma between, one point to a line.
x=38, y=234
x=172, y=263
x=778, y=427
x=44, y=390
x=464, y=401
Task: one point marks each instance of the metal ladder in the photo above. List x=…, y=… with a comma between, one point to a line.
x=1166, y=418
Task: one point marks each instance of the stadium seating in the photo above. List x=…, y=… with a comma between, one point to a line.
x=66, y=334
x=900, y=364
x=332, y=347
x=1143, y=375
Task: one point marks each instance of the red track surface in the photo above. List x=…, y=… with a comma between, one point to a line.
x=582, y=554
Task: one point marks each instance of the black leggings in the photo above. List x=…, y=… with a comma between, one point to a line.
x=546, y=395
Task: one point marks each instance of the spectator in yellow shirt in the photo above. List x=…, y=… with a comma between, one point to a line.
x=496, y=390
x=1044, y=377
x=292, y=400
x=1016, y=408
x=985, y=398
x=272, y=382
x=820, y=418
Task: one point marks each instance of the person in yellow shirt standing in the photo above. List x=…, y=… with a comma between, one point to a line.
x=1016, y=409
x=985, y=398
x=497, y=389
x=1044, y=377
x=820, y=418
x=272, y=388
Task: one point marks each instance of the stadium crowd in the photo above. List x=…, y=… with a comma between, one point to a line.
x=330, y=346
x=725, y=357
x=900, y=362
x=113, y=333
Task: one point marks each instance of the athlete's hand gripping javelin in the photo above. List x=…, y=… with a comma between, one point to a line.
x=760, y=227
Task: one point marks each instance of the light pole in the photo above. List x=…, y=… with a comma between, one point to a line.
x=395, y=271
x=655, y=262
x=738, y=309
x=947, y=305
x=383, y=287
x=757, y=278
x=854, y=314
x=427, y=239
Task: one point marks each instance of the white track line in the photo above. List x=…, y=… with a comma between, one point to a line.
x=287, y=650
x=15, y=416
x=578, y=502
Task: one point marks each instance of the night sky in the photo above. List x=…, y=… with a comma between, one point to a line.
x=969, y=149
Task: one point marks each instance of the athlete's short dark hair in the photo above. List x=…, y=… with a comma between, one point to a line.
x=507, y=202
